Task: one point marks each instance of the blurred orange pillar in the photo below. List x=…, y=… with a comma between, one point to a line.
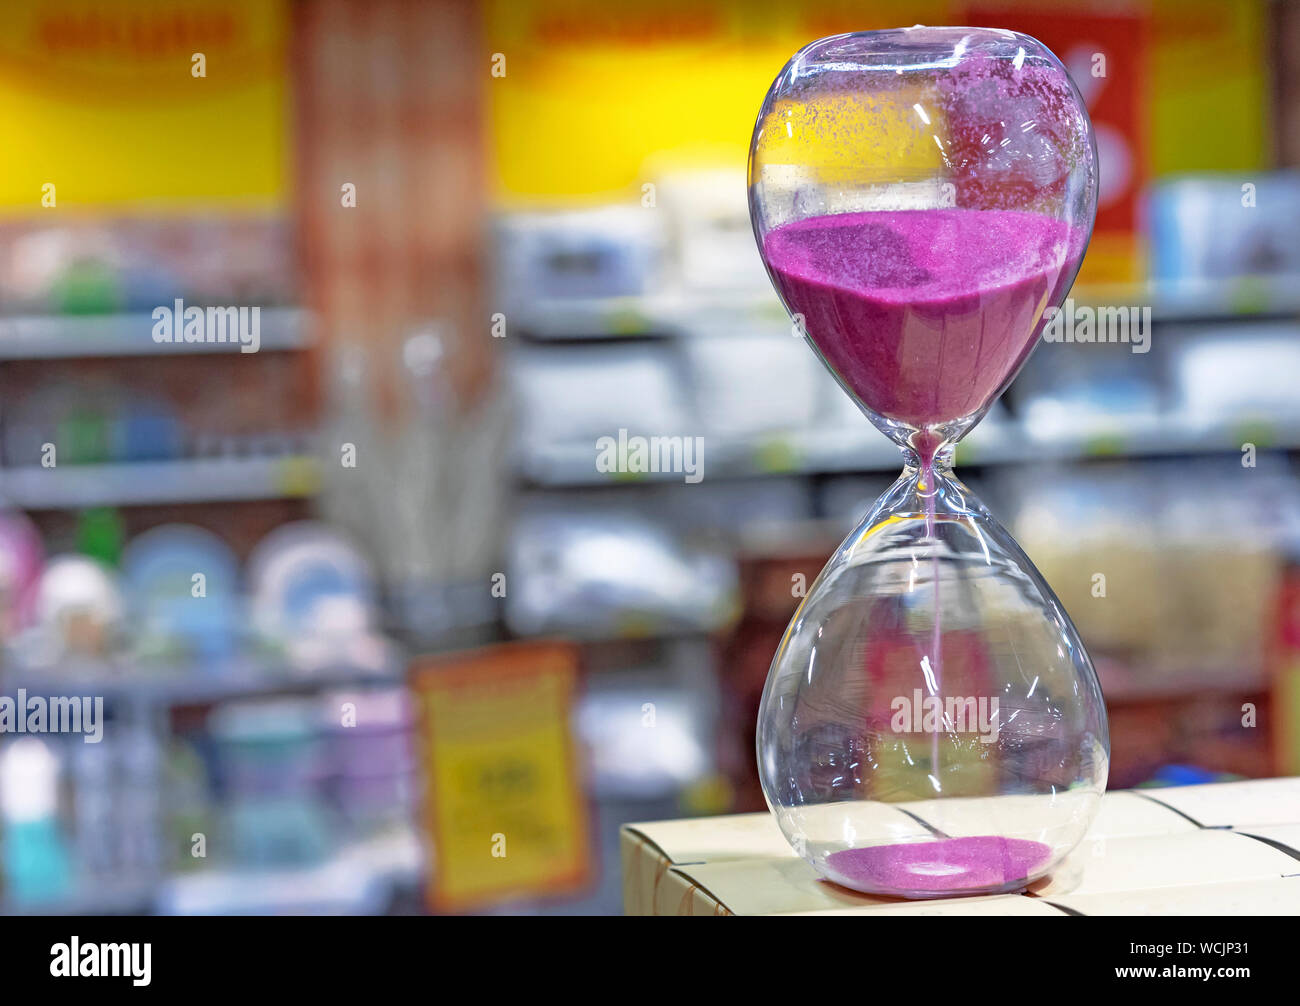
x=390, y=170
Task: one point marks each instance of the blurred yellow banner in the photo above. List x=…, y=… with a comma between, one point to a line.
x=590, y=91
x=586, y=96
x=163, y=104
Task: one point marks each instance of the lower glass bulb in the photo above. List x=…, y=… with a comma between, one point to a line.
x=931, y=724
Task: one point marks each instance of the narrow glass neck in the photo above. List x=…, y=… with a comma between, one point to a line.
x=931, y=489
x=925, y=459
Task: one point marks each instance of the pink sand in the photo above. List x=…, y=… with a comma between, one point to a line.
x=926, y=315
x=946, y=866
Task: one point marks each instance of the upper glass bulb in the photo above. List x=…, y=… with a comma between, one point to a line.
x=921, y=196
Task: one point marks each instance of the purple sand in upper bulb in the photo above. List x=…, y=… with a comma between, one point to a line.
x=946, y=866
x=924, y=314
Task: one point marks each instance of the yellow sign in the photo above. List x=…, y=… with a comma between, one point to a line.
x=590, y=97
x=593, y=92
x=163, y=104
x=504, y=806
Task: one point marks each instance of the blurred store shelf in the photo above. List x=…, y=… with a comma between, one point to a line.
x=595, y=318
x=1123, y=684
x=125, y=896
x=149, y=482
x=586, y=318
x=175, y=685
x=839, y=451
x=578, y=318
x=1268, y=296
x=360, y=880
x=51, y=337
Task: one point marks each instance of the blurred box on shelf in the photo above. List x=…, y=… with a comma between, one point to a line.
x=608, y=251
x=1161, y=580
x=1143, y=853
x=1240, y=374
x=648, y=733
x=568, y=395
x=1223, y=227
x=711, y=240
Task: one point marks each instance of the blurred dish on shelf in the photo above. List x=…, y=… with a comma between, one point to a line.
x=313, y=595
x=182, y=583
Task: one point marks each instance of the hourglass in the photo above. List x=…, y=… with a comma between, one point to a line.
x=922, y=198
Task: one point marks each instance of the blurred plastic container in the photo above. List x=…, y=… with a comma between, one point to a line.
x=268, y=747
x=272, y=764
x=369, y=734
x=1241, y=373
x=613, y=251
x=711, y=239
x=750, y=375
x=1226, y=226
x=609, y=574
x=580, y=394
x=36, y=866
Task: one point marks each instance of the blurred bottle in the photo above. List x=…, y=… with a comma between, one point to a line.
x=36, y=864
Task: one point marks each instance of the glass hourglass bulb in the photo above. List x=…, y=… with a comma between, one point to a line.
x=931, y=724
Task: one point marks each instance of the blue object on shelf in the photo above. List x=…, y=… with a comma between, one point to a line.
x=148, y=432
x=37, y=869
x=1184, y=775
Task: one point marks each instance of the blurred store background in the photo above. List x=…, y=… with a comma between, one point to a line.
x=374, y=629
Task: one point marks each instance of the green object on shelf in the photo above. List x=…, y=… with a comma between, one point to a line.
x=83, y=438
x=776, y=456
x=1249, y=295
x=101, y=534
x=1104, y=445
x=1257, y=432
x=87, y=288
x=626, y=321
x=626, y=472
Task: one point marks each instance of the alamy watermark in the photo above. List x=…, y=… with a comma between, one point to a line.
x=177, y=324
x=76, y=959
x=64, y=714
x=639, y=455
x=955, y=714
x=1126, y=325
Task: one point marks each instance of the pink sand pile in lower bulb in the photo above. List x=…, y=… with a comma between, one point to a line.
x=945, y=866
x=924, y=314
